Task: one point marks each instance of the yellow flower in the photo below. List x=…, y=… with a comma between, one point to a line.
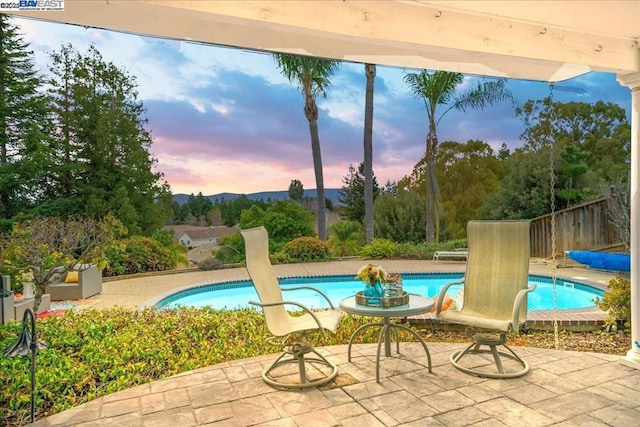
x=26, y=276
x=371, y=274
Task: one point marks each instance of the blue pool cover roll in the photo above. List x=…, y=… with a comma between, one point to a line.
x=602, y=260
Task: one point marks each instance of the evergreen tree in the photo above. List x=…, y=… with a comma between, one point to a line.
x=352, y=194
x=296, y=190
x=572, y=168
x=101, y=146
x=23, y=119
x=232, y=209
x=400, y=217
x=200, y=205
x=468, y=173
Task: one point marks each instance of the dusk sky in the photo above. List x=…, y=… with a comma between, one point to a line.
x=225, y=120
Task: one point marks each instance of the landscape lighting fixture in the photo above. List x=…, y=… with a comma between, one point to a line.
x=27, y=343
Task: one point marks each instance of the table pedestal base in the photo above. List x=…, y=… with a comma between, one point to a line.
x=385, y=336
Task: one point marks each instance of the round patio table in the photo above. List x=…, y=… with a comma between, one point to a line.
x=417, y=305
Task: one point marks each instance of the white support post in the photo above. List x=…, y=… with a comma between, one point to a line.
x=633, y=82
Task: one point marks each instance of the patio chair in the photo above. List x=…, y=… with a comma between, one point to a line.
x=288, y=330
x=81, y=282
x=495, y=290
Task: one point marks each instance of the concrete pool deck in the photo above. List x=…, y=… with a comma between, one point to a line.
x=563, y=388
x=137, y=292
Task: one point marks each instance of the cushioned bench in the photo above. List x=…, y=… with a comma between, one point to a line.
x=460, y=255
x=80, y=283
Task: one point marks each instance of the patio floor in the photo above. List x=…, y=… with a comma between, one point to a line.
x=563, y=387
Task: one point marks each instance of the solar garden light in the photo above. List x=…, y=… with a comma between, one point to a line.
x=27, y=343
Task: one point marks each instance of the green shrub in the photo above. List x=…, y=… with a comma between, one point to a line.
x=284, y=220
x=93, y=353
x=414, y=251
x=384, y=248
x=617, y=302
x=210, y=264
x=138, y=255
x=304, y=249
x=345, y=238
x=379, y=248
x=231, y=249
x=281, y=258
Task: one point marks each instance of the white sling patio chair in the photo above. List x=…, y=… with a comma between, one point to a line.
x=495, y=288
x=283, y=325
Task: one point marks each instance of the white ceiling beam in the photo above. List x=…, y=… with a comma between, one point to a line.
x=400, y=33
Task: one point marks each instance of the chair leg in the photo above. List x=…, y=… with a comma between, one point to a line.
x=296, y=353
x=492, y=341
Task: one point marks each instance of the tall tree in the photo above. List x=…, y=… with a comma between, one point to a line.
x=296, y=190
x=524, y=191
x=312, y=77
x=200, y=205
x=440, y=88
x=101, y=144
x=232, y=209
x=370, y=71
x=352, y=194
x=572, y=168
x=468, y=172
x=600, y=129
x=23, y=117
x=399, y=216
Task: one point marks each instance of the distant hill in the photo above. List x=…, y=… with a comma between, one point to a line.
x=330, y=193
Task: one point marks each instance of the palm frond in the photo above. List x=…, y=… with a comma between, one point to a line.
x=483, y=95
x=309, y=73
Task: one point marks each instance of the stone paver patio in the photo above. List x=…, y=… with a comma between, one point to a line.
x=563, y=388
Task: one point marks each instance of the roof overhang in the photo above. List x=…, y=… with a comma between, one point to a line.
x=551, y=40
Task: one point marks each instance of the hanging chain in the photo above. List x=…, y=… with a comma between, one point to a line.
x=552, y=191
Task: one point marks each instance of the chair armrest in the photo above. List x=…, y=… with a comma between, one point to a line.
x=443, y=291
x=312, y=289
x=297, y=304
x=515, y=319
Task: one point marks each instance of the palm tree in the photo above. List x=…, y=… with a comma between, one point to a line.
x=439, y=88
x=312, y=76
x=370, y=71
x=345, y=237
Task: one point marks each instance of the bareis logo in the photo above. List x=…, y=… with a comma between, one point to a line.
x=41, y=4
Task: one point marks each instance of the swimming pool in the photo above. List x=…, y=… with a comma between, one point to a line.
x=230, y=295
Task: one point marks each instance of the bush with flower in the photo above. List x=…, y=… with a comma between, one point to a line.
x=26, y=276
x=371, y=274
x=34, y=249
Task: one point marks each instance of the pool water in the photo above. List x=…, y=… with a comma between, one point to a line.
x=230, y=295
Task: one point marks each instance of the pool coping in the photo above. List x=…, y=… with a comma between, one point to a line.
x=588, y=318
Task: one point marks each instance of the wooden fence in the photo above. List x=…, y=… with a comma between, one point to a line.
x=582, y=227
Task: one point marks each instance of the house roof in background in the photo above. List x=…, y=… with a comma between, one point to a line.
x=204, y=233
x=192, y=230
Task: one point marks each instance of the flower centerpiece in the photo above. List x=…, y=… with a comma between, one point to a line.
x=374, y=278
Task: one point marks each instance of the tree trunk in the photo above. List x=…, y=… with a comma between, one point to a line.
x=433, y=190
x=317, y=167
x=370, y=71
x=433, y=201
